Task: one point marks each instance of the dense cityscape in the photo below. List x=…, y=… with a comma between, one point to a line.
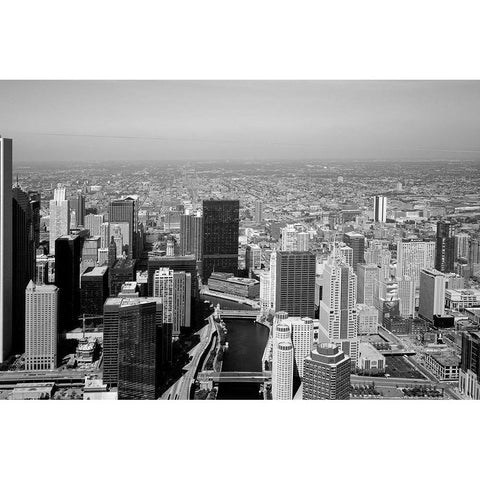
x=272, y=280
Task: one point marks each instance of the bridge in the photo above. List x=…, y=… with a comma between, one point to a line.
x=239, y=313
x=234, y=377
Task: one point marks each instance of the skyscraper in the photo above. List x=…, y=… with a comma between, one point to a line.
x=432, y=294
x=132, y=333
x=174, y=288
x=5, y=248
x=94, y=290
x=406, y=296
x=139, y=350
x=23, y=261
x=258, y=211
x=445, y=247
x=413, y=256
x=356, y=242
x=125, y=210
x=77, y=205
x=220, y=237
x=301, y=330
x=41, y=310
x=462, y=245
x=59, y=217
x=367, y=277
x=94, y=224
x=191, y=235
x=253, y=257
x=338, y=314
x=327, y=374
x=295, y=283
x=68, y=250
x=282, y=363
x=380, y=209
x=469, y=375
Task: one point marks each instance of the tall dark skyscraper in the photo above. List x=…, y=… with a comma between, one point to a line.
x=35, y=203
x=136, y=345
x=123, y=270
x=23, y=261
x=94, y=290
x=5, y=248
x=295, y=283
x=356, y=242
x=445, y=247
x=125, y=210
x=220, y=236
x=68, y=250
x=77, y=205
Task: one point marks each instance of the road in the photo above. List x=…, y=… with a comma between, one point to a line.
x=180, y=390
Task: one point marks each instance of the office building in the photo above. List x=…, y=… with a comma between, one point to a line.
x=469, y=373
x=105, y=234
x=326, y=374
x=77, y=206
x=35, y=202
x=253, y=257
x=406, y=296
x=220, y=236
x=367, y=278
x=295, y=283
x=445, y=247
x=380, y=209
x=111, y=341
x=94, y=290
x=93, y=223
x=6, y=251
x=67, y=278
x=125, y=210
x=191, y=235
x=413, y=256
x=367, y=319
x=370, y=360
x=346, y=253
x=174, y=288
x=462, y=245
x=59, y=217
x=139, y=350
x=338, y=314
x=23, y=247
x=303, y=241
x=282, y=363
x=90, y=250
x=41, y=317
x=356, y=242
x=258, y=211
x=432, y=294
x=123, y=270
x=186, y=263
x=288, y=239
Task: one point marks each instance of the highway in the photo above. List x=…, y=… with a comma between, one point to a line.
x=180, y=390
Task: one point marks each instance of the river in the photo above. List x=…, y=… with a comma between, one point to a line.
x=246, y=344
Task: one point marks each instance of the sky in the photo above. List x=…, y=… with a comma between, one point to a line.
x=184, y=121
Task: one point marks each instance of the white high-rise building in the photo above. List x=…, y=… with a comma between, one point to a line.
x=462, y=245
x=268, y=283
x=301, y=329
x=432, y=294
x=303, y=241
x=105, y=234
x=163, y=288
x=94, y=224
x=282, y=363
x=347, y=254
x=406, y=296
x=380, y=209
x=59, y=217
x=41, y=306
x=288, y=239
x=5, y=248
x=182, y=288
x=338, y=314
x=412, y=257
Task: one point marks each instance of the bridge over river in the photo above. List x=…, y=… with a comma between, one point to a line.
x=234, y=377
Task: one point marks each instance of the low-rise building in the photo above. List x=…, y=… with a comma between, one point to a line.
x=444, y=365
x=461, y=299
x=370, y=360
x=227, y=283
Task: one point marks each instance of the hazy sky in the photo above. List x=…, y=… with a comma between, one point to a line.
x=129, y=121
